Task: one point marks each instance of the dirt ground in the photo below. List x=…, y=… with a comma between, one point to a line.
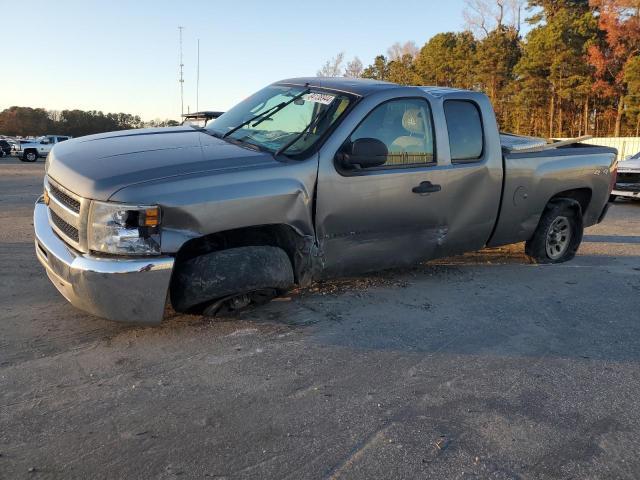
x=482, y=366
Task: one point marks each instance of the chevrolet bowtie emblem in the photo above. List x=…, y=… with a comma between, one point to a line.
x=46, y=198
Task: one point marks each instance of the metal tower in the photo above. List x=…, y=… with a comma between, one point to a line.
x=181, y=80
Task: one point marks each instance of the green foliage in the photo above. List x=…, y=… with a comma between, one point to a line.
x=553, y=73
x=378, y=70
x=547, y=9
x=403, y=71
x=632, y=100
x=576, y=72
x=448, y=59
x=25, y=121
x=496, y=57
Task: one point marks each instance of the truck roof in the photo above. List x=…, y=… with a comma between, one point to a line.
x=357, y=86
x=362, y=86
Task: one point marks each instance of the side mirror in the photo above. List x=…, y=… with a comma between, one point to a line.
x=363, y=153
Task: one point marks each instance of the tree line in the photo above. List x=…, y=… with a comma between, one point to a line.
x=26, y=121
x=576, y=72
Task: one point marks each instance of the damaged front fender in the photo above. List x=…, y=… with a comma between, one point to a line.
x=198, y=205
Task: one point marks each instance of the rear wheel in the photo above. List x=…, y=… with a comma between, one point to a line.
x=29, y=156
x=559, y=233
x=613, y=198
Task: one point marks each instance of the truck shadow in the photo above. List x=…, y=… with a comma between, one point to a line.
x=632, y=239
x=491, y=302
x=476, y=305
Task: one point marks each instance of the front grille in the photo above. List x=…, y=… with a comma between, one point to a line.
x=66, y=200
x=628, y=187
x=69, y=230
x=628, y=178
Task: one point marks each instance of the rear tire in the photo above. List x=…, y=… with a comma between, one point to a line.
x=232, y=279
x=30, y=156
x=613, y=198
x=559, y=233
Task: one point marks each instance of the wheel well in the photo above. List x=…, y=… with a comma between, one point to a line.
x=296, y=245
x=580, y=195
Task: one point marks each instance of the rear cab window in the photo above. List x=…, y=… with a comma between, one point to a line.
x=464, y=124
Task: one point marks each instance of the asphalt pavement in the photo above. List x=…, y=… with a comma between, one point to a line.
x=480, y=366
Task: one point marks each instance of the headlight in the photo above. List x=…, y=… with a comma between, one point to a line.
x=124, y=229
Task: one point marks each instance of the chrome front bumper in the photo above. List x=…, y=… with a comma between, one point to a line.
x=120, y=289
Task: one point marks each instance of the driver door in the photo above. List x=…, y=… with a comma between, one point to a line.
x=392, y=214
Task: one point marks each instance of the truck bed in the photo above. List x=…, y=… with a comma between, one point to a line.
x=579, y=171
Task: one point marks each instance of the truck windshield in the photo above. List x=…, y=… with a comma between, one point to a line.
x=280, y=124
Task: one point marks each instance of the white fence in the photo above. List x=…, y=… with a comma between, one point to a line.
x=626, y=145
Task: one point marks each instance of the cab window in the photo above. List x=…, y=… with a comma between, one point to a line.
x=406, y=128
x=464, y=124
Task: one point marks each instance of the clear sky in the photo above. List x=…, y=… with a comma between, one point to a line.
x=122, y=56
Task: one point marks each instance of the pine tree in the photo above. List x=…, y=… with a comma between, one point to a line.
x=403, y=71
x=378, y=70
x=497, y=55
x=616, y=52
x=553, y=74
x=448, y=60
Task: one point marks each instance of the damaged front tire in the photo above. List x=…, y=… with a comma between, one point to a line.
x=228, y=281
x=234, y=304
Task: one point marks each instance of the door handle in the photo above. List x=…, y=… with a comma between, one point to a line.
x=426, y=187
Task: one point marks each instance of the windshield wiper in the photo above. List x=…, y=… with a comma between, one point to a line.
x=261, y=117
x=314, y=122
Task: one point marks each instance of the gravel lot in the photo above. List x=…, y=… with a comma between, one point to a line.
x=482, y=366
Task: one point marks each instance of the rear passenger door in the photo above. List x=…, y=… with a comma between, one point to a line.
x=389, y=215
x=474, y=181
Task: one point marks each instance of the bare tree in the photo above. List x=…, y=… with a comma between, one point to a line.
x=55, y=115
x=514, y=13
x=354, y=68
x=398, y=50
x=333, y=67
x=483, y=16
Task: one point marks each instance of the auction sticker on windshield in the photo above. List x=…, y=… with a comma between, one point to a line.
x=323, y=98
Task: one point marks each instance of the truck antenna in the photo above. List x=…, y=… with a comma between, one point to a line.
x=181, y=79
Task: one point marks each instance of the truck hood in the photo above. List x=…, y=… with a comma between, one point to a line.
x=631, y=164
x=97, y=166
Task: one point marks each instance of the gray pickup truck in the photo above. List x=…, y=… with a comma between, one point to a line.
x=306, y=179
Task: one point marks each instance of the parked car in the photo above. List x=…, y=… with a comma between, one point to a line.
x=200, y=119
x=628, y=181
x=307, y=179
x=5, y=148
x=30, y=150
